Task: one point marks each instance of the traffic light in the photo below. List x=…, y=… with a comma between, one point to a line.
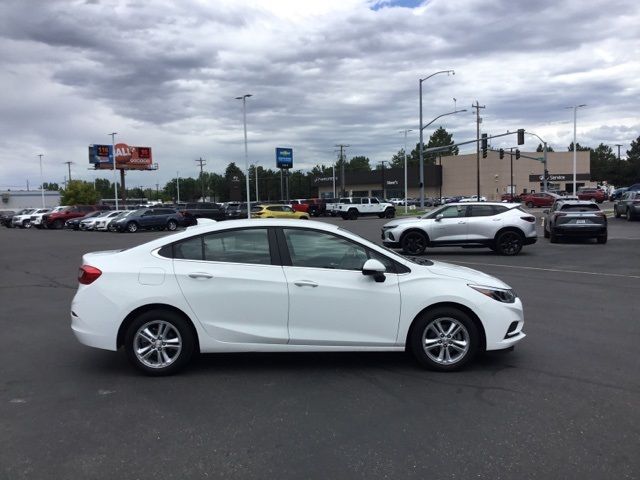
x=517, y=154
x=484, y=145
x=521, y=136
x=501, y=153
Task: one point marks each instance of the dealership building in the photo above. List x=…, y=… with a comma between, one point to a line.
x=457, y=175
x=19, y=199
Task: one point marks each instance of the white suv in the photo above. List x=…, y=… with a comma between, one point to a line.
x=502, y=227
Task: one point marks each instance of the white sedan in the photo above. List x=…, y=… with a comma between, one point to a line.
x=286, y=285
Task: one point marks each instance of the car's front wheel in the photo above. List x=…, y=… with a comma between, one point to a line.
x=530, y=205
x=172, y=225
x=444, y=339
x=509, y=243
x=616, y=213
x=414, y=243
x=159, y=342
x=389, y=213
x=132, y=227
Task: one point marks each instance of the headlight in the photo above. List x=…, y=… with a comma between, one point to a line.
x=504, y=295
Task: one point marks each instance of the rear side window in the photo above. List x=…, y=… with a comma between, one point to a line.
x=238, y=246
x=481, y=211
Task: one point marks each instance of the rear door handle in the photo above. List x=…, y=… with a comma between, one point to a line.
x=305, y=283
x=461, y=223
x=200, y=275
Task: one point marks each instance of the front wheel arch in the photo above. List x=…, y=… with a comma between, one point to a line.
x=483, y=339
x=124, y=326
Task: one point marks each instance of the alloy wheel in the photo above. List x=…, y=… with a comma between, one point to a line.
x=157, y=344
x=509, y=243
x=414, y=243
x=445, y=341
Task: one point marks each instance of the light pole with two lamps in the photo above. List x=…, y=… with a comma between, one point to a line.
x=452, y=72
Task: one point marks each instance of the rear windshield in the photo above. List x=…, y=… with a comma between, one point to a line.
x=580, y=208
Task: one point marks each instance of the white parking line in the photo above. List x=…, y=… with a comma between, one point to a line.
x=599, y=274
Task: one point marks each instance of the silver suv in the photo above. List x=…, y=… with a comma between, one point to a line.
x=503, y=227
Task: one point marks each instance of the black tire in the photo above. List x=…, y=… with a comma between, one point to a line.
x=26, y=224
x=57, y=224
x=425, y=330
x=352, y=214
x=509, y=243
x=602, y=239
x=111, y=228
x=546, y=233
x=389, y=213
x=172, y=225
x=553, y=238
x=529, y=204
x=414, y=242
x=629, y=215
x=615, y=212
x=179, y=337
x=132, y=227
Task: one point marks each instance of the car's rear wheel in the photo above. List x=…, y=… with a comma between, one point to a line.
x=529, y=204
x=172, y=225
x=546, y=233
x=58, y=224
x=553, y=238
x=616, y=213
x=132, y=227
x=414, y=243
x=509, y=243
x=602, y=239
x=159, y=342
x=389, y=213
x=352, y=214
x=629, y=215
x=444, y=339
x=26, y=224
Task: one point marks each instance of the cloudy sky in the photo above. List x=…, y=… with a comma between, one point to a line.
x=164, y=74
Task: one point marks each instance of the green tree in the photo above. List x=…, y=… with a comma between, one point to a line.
x=633, y=162
x=604, y=164
x=541, y=148
x=104, y=188
x=579, y=148
x=234, y=179
x=79, y=192
x=439, y=138
x=358, y=164
x=50, y=187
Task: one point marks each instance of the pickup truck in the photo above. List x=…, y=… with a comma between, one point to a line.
x=193, y=211
x=365, y=206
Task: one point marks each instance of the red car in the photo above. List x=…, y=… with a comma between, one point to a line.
x=56, y=220
x=595, y=194
x=542, y=199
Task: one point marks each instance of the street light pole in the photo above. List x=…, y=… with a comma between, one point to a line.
x=255, y=166
x=113, y=153
x=42, y=179
x=575, y=114
x=421, y=135
x=178, y=186
x=246, y=150
x=406, y=191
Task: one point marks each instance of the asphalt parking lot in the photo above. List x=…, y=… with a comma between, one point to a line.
x=564, y=404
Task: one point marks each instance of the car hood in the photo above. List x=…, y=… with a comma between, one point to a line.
x=400, y=221
x=464, y=273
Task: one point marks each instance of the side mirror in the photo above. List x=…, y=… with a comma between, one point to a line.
x=546, y=211
x=439, y=217
x=375, y=268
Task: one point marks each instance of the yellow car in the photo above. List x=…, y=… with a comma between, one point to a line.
x=277, y=211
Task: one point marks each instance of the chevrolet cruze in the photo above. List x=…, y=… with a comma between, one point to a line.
x=286, y=285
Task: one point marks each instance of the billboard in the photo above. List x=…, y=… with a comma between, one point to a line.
x=127, y=157
x=284, y=157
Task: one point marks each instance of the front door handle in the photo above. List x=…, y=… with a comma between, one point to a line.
x=200, y=275
x=305, y=283
x=461, y=223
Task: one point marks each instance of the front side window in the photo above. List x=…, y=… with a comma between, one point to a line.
x=453, y=211
x=314, y=249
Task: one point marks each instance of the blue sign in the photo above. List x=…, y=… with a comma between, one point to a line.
x=284, y=157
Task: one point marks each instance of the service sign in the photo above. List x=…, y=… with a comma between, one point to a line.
x=284, y=157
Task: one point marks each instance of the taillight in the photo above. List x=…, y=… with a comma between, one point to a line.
x=529, y=219
x=88, y=274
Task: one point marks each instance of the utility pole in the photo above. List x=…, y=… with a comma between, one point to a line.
x=383, y=192
x=113, y=159
x=477, y=106
x=69, y=167
x=202, y=163
x=42, y=179
x=342, y=147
